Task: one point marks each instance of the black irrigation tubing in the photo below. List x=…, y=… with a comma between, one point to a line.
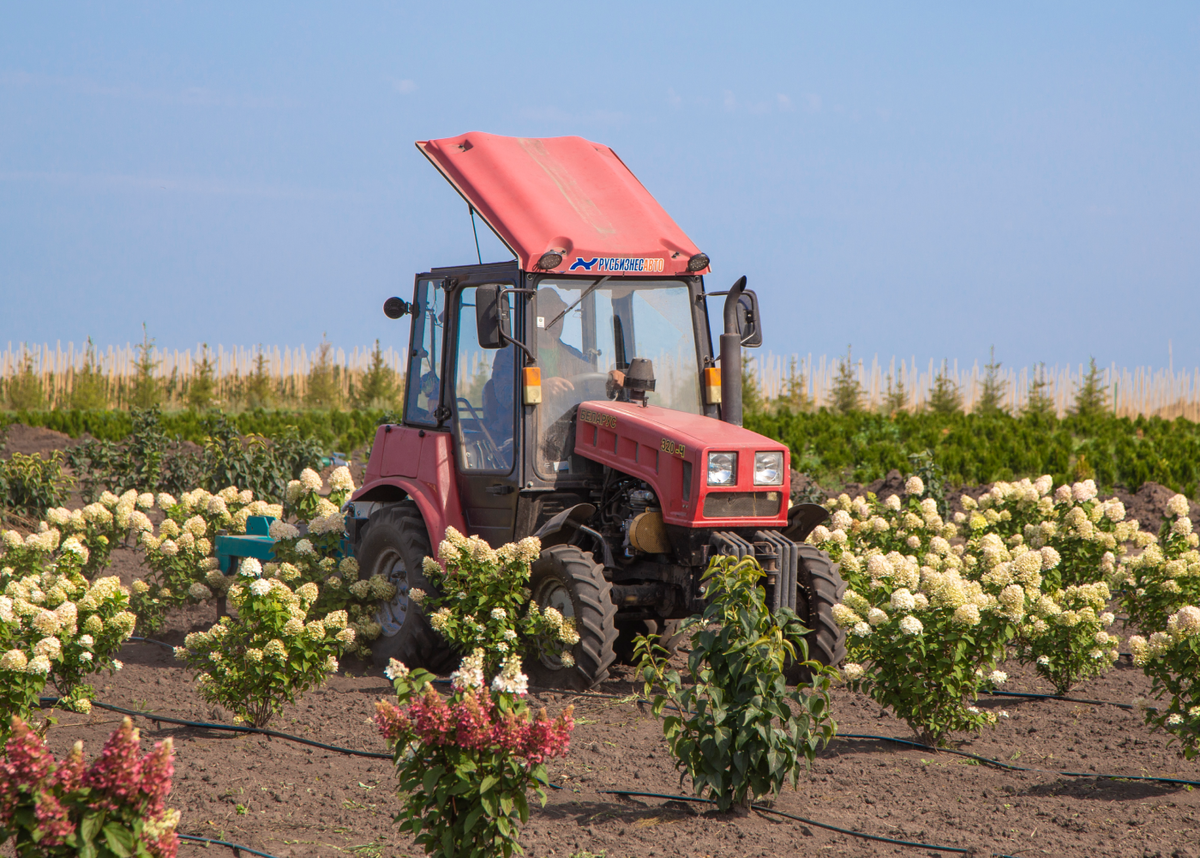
x=232, y=728
x=151, y=641
x=1012, y=767
x=1023, y=694
x=877, y=837
x=237, y=848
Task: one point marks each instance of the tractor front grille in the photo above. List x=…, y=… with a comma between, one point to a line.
x=742, y=504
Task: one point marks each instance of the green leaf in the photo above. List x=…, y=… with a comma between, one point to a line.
x=119, y=839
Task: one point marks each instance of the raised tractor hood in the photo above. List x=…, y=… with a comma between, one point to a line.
x=669, y=450
x=564, y=196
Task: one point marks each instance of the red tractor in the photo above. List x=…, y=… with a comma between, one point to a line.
x=573, y=394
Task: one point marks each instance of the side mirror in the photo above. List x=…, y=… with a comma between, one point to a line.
x=492, y=321
x=394, y=308
x=747, y=320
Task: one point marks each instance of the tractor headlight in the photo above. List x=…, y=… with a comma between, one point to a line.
x=722, y=469
x=768, y=468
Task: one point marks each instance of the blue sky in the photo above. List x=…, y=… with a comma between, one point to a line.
x=921, y=180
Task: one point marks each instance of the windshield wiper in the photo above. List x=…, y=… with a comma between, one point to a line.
x=588, y=291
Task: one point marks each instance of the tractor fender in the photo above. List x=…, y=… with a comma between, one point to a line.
x=560, y=529
x=803, y=519
x=434, y=489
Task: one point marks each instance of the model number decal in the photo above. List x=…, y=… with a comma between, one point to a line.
x=672, y=448
x=607, y=421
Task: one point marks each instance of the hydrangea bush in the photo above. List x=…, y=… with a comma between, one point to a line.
x=1032, y=562
x=1067, y=638
x=103, y=524
x=925, y=633
x=315, y=556
x=181, y=567
x=482, y=601
x=271, y=653
x=1166, y=575
x=735, y=727
x=465, y=763
x=55, y=626
x=1171, y=659
x=114, y=808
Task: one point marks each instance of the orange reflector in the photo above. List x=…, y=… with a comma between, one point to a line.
x=712, y=385
x=533, y=385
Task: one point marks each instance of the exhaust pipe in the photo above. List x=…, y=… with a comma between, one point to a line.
x=731, y=358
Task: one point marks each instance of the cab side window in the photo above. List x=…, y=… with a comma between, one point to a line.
x=484, y=395
x=425, y=356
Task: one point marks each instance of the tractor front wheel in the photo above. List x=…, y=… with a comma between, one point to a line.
x=569, y=579
x=819, y=586
x=395, y=543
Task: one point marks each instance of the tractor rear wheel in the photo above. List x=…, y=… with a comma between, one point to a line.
x=569, y=579
x=819, y=586
x=395, y=543
x=627, y=630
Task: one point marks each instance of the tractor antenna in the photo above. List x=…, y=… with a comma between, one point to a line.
x=478, y=255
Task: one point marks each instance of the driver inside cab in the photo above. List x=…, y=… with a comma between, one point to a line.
x=561, y=361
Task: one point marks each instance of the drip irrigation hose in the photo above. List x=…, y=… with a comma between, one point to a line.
x=877, y=837
x=237, y=848
x=231, y=728
x=1012, y=767
x=151, y=641
x=1023, y=694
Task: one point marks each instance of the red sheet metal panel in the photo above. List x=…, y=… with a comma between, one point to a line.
x=563, y=194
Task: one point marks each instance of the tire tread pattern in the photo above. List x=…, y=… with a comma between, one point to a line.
x=595, y=620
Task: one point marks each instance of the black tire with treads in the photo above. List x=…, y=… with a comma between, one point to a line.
x=395, y=543
x=570, y=579
x=819, y=586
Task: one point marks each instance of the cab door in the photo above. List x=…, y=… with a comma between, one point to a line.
x=484, y=408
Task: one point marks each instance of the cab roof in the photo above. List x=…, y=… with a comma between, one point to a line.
x=566, y=195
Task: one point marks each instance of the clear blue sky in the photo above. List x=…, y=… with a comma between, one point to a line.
x=915, y=179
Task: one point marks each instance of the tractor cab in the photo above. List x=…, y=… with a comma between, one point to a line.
x=573, y=393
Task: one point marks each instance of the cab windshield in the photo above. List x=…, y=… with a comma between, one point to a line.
x=586, y=333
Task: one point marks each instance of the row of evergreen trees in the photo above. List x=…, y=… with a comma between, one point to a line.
x=945, y=396
x=379, y=387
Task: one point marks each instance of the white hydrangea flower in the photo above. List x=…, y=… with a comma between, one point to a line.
x=395, y=669
x=304, y=547
x=852, y=672
x=914, y=485
x=469, y=675
x=910, y=625
x=876, y=617
x=341, y=480
x=260, y=586
x=280, y=529
x=250, y=568
x=998, y=677
x=511, y=680
x=310, y=480
x=1178, y=506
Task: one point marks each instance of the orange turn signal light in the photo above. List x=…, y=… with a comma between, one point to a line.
x=712, y=385
x=532, y=385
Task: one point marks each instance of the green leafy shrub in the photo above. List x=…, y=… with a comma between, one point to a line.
x=114, y=808
x=271, y=653
x=31, y=485
x=740, y=732
x=103, y=524
x=1166, y=575
x=1171, y=659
